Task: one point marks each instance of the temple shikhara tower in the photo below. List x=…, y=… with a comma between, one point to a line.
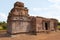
x=19, y=21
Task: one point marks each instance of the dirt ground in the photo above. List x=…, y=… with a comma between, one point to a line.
x=40, y=36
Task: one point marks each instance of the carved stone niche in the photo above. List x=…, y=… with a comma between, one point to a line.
x=19, y=4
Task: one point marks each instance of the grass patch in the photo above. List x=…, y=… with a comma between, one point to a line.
x=1, y=28
x=58, y=27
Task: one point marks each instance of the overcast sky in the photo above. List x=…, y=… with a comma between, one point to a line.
x=43, y=8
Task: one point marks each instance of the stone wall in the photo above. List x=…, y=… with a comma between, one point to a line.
x=39, y=24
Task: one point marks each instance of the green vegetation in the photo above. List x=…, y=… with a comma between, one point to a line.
x=3, y=25
x=59, y=23
x=58, y=26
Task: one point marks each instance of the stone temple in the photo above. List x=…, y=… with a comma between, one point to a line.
x=19, y=21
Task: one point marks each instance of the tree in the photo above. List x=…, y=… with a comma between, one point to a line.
x=59, y=23
x=3, y=24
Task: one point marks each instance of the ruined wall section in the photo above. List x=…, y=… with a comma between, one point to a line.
x=39, y=24
x=53, y=24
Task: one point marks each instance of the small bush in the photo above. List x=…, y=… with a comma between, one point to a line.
x=1, y=28
x=58, y=27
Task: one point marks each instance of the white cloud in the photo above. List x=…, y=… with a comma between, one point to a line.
x=55, y=6
x=17, y=0
x=54, y=1
x=3, y=17
x=51, y=12
x=39, y=9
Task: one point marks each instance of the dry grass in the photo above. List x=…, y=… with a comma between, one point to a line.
x=40, y=36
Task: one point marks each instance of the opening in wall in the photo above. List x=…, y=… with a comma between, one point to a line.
x=46, y=26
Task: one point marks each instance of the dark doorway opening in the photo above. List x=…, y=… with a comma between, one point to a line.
x=46, y=26
x=33, y=32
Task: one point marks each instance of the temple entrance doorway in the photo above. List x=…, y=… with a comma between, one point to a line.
x=46, y=26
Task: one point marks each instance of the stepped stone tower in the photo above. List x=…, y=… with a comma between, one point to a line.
x=18, y=20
